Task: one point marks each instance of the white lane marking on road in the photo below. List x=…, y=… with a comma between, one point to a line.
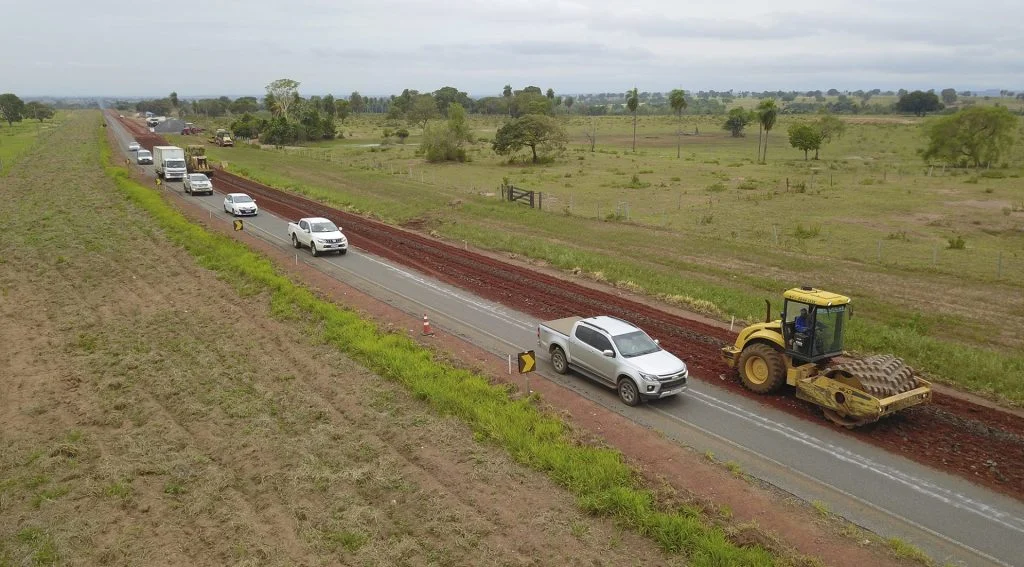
x=473, y=302
x=919, y=485
x=817, y=480
x=480, y=305
x=337, y=264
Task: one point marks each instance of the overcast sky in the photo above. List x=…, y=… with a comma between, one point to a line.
x=215, y=47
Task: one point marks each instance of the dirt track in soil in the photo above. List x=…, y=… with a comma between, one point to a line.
x=977, y=442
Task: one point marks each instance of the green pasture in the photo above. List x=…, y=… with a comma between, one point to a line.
x=18, y=138
x=930, y=254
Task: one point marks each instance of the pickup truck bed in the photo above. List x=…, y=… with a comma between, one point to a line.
x=563, y=326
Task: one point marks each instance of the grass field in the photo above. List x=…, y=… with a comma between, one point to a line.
x=170, y=399
x=717, y=232
x=18, y=138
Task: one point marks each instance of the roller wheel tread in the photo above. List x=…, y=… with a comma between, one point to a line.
x=881, y=375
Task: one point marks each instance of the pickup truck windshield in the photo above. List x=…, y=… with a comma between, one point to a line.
x=324, y=227
x=174, y=163
x=635, y=344
x=144, y=153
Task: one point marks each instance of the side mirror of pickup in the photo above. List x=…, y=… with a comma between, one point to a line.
x=608, y=353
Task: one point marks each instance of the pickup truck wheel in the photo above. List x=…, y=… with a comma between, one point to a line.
x=295, y=242
x=628, y=392
x=313, y=250
x=558, y=361
x=342, y=252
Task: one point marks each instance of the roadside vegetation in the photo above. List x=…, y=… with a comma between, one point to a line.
x=718, y=231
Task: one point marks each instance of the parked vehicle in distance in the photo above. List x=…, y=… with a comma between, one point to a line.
x=152, y=121
x=134, y=146
x=614, y=353
x=319, y=235
x=198, y=183
x=190, y=129
x=170, y=162
x=144, y=157
x=240, y=204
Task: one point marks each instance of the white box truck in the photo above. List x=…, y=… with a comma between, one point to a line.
x=169, y=162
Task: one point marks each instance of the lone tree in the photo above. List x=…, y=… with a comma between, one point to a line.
x=767, y=113
x=632, y=103
x=736, y=121
x=342, y=108
x=422, y=110
x=356, y=102
x=805, y=137
x=919, y=102
x=974, y=136
x=677, y=100
x=569, y=101
x=948, y=96
x=534, y=131
x=283, y=92
x=12, y=108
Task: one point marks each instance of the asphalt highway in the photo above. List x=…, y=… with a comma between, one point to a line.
x=949, y=518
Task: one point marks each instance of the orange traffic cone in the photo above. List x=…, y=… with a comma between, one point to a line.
x=426, y=326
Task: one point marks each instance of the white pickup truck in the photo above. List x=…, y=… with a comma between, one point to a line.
x=318, y=234
x=615, y=353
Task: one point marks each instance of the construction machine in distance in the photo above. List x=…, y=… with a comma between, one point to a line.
x=222, y=137
x=196, y=160
x=191, y=129
x=799, y=349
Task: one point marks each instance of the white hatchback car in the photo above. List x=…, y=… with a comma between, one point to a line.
x=198, y=183
x=240, y=204
x=134, y=147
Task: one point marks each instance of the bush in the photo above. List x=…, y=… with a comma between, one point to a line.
x=441, y=144
x=806, y=233
x=956, y=243
x=635, y=183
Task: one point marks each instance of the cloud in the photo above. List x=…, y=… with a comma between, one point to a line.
x=383, y=46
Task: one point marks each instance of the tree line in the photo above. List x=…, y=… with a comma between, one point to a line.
x=532, y=125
